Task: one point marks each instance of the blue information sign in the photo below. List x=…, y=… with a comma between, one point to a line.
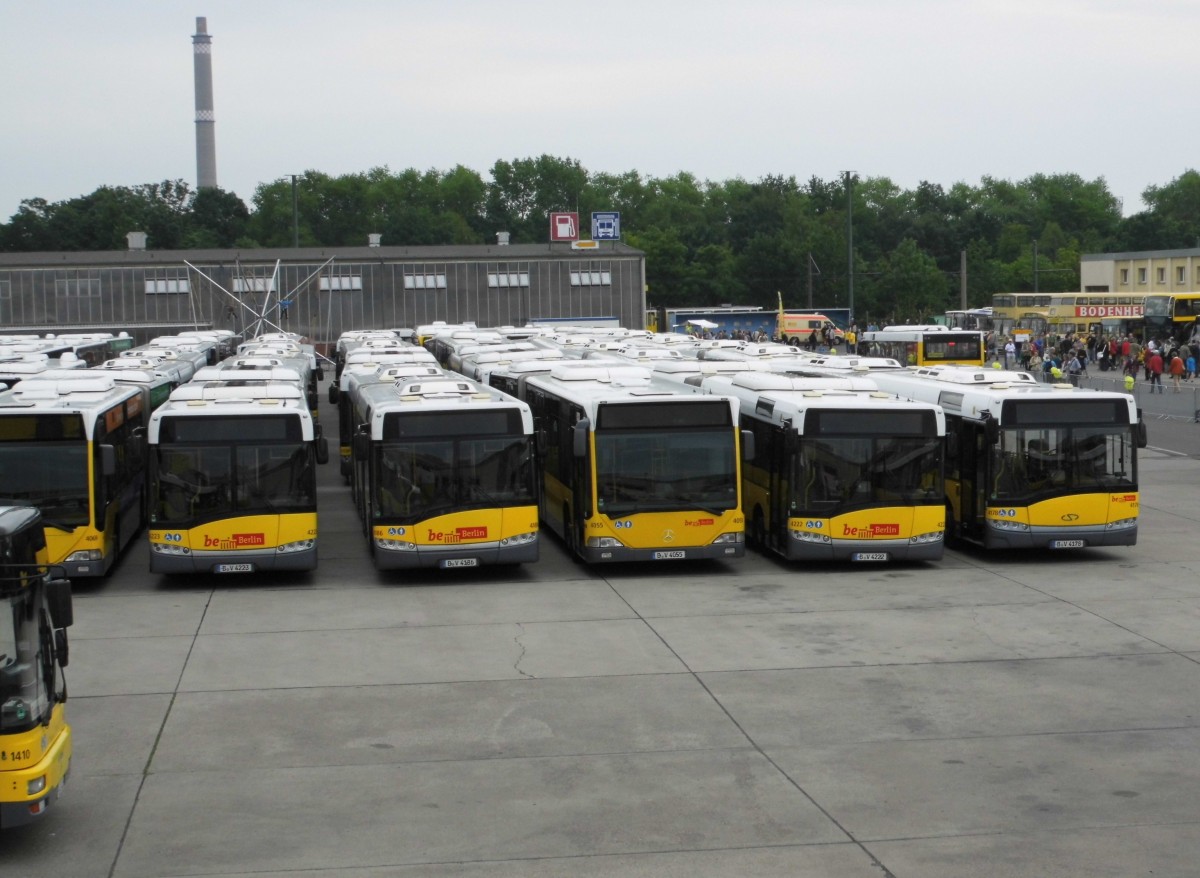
x=606, y=225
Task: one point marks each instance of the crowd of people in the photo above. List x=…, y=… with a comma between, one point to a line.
x=1071, y=355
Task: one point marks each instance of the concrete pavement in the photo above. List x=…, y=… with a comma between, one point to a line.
x=989, y=716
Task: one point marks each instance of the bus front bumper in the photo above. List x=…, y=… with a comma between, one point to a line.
x=1061, y=537
x=866, y=551
x=54, y=767
x=471, y=555
x=199, y=561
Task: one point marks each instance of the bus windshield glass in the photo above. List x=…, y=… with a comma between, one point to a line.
x=52, y=476
x=1027, y=462
x=206, y=482
x=837, y=473
x=23, y=696
x=425, y=477
x=657, y=470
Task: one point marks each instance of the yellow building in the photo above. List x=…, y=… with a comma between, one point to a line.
x=1147, y=271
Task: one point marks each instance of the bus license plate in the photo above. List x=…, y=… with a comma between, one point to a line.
x=869, y=556
x=461, y=562
x=235, y=568
x=670, y=556
x=1068, y=544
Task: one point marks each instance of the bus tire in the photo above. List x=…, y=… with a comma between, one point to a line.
x=322, y=450
x=333, y=393
x=758, y=530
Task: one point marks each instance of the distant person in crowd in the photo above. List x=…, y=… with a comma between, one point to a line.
x=1154, y=370
x=1176, y=368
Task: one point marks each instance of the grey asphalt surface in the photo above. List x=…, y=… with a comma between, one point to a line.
x=989, y=715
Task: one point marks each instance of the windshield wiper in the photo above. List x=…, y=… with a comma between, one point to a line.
x=66, y=528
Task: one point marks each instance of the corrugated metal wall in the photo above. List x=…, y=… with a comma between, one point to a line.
x=322, y=297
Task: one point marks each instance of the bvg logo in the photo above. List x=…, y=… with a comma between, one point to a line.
x=699, y=522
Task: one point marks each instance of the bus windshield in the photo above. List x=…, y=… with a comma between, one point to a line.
x=194, y=482
x=835, y=474
x=1031, y=461
x=53, y=476
x=24, y=700
x=650, y=471
x=425, y=477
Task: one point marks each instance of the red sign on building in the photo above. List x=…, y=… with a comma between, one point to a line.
x=564, y=227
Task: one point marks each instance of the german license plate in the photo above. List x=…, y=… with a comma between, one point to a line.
x=235, y=568
x=869, y=556
x=670, y=556
x=461, y=562
x=1067, y=544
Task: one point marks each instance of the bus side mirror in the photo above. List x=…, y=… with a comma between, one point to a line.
x=747, y=445
x=58, y=599
x=991, y=430
x=108, y=460
x=579, y=448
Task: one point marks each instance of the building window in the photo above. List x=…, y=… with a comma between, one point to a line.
x=166, y=283
x=254, y=284
x=424, y=281
x=1161, y=274
x=1141, y=275
x=508, y=279
x=78, y=288
x=1124, y=275
x=591, y=277
x=341, y=282
x=1180, y=274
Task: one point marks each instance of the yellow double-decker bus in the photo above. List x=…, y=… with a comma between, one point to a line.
x=931, y=345
x=443, y=473
x=75, y=448
x=1012, y=311
x=633, y=473
x=233, y=484
x=840, y=471
x=1172, y=315
x=35, y=611
x=1099, y=313
x=1031, y=465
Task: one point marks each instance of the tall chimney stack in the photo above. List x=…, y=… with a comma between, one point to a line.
x=206, y=137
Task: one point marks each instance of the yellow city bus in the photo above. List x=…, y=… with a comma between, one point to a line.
x=443, y=473
x=233, y=484
x=75, y=448
x=840, y=471
x=631, y=473
x=931, y=345
x=1172, y=315
x=1031, y=465
x=35, y=611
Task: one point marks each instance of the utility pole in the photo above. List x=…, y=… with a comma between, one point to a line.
x=850, y=239
x=295, y=215
x=1035, y=271
x=962, y=279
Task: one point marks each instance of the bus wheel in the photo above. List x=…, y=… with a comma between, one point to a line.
x=758, y=530
x=952, y=535
x=572, y=536
x=333, y=393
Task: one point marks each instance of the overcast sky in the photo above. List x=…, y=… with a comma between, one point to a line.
x=101, y=93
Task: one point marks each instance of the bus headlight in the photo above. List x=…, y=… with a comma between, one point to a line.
x=806, y=536
x=519, y=539
x=37, y=785
x=170, y=549
x=86, y=555
x=1005, y=524
x=604, y=543
x=1122, y=524
x=389, y=545
x=733, y=537
x=921, y=539
x=298, y=546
